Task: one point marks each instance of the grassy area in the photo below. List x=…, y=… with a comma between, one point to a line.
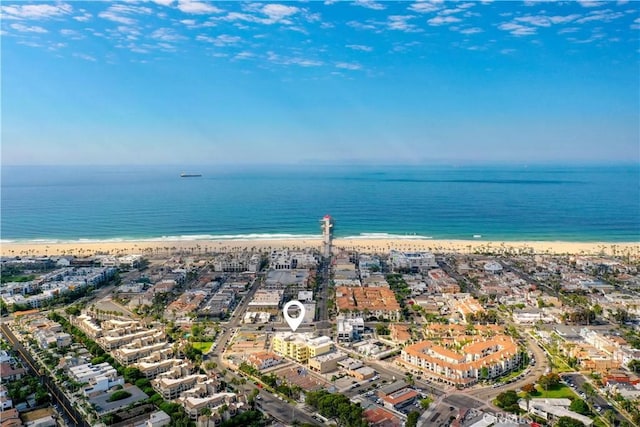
x=559, y=391
x=17, y=278
x=203, y=346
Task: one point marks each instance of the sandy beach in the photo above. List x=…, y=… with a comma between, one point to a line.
x=632, y=249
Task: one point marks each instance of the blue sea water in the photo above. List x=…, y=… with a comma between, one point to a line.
x=498, y=203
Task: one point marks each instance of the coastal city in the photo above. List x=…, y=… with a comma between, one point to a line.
x=491, y=336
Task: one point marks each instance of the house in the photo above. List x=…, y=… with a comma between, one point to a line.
x=264, y=360
x=10, y=418
x=9, y=373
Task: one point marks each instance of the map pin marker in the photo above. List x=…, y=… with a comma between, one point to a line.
x=293, y=322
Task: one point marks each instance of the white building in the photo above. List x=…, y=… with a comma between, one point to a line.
x=420, y=261
x=349, y=329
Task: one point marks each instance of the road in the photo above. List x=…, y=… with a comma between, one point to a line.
x=322, y=324
x=269, y=403
x=578, y=380
x=58, y=397
x=487, y=394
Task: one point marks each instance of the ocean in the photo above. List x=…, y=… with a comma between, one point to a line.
x=80, y=203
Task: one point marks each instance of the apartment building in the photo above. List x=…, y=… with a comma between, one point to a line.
x=129, y=355
x=367, y=302
x=300, y=347
x=151, y=369
x=464, y=367
x=413, y=261
x=194, y=402
x=171, y=385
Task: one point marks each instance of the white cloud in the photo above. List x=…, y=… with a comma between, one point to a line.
x=507, y=51
x=166, y=35
x=369, y=4
x=563, y=19
x=360, y=47
x=85, y=57
x=636, y=24
x=360, y=26
x=517, y=29
x=164, y=2
x=197, y=7
x=589, y=3
x=399, y=22
x=28, y=29
x=474, y=30
x=121, y=13
x=278, y=12
x=221, y=40
x=86, y=16
x=299, y=61
x=35, y=11
x=450, y=11
x=306, y=62
x=605, y=15
x=425, y=6
x=442, y=20
x=72, y=34
x=116, y=18
x=244, y=55
x=348, y=66
x=538, y=21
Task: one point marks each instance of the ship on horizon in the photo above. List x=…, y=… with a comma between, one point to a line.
x=190, y=175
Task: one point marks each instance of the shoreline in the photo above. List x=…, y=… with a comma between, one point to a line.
x=370, y=245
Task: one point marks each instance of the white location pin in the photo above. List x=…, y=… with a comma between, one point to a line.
x=293, y=322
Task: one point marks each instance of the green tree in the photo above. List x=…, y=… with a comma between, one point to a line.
x=508, y=400
x=549, y=381
x=484, y=372
x=634, y=365
x=568, y=422
x=424, y=403
x=412, y=419
x=589, y=391
x=580, y=406
x=382, y=329
x=610, y=416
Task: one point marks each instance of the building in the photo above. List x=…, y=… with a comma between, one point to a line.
x=349, y=329
x=171, y=387
x=550, y=409
x=266, y=300
x=412, y=261
x=400, y=333
x=487, y=357
x=327, y=362
x=10, y=373
x=300, y=347
x=400, y=399
x=99, y=377
x=465, y=305
x=367, y=302
x=158, y=419
x=263, y=360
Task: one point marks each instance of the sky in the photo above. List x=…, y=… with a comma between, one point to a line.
x=194, y=82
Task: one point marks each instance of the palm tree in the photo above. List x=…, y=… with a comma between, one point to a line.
x=610, y=416
x=589, y=391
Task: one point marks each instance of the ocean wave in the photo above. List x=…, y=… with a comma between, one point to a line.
x=181, y=238
x=388, y=236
